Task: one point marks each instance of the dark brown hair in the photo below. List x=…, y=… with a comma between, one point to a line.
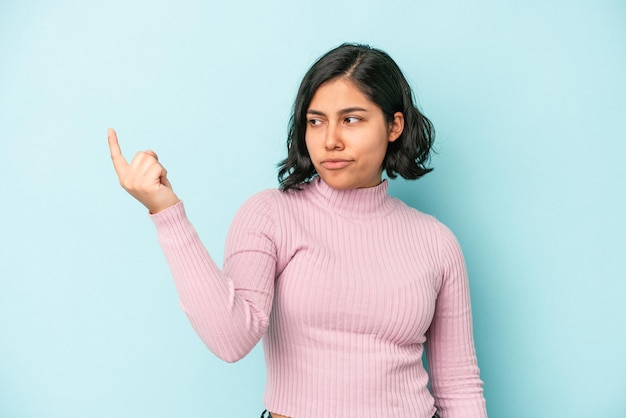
x=380, y=79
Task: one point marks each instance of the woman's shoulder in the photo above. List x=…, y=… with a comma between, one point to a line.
x=425, y=220
x=274, y=195
x=272, y=200
x=415, y=215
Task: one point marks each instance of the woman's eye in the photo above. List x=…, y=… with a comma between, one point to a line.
x=352, y=119
x=314, y=122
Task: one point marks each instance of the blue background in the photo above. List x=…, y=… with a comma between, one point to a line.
x=528, y=100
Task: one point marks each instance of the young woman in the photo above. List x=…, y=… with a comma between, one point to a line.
x=345, y=284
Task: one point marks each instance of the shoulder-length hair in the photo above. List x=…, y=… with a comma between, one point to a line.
x=380, y=79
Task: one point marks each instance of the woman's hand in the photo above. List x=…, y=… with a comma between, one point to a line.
x=144, y=178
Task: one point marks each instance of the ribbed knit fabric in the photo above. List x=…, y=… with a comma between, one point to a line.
x=345, y=288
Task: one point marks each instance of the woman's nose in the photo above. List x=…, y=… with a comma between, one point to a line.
x=333, y=140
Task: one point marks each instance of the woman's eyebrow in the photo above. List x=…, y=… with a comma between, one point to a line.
x=339, y=112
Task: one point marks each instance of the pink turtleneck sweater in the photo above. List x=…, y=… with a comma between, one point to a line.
x=345, y=288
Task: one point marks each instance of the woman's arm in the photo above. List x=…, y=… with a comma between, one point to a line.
x=229, y=309
x=454, y=373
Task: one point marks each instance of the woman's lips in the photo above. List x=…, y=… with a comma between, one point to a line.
x=335, y=164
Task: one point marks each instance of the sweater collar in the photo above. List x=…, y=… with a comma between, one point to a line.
x=353, y=202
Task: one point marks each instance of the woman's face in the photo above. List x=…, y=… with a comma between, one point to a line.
x=347, y=135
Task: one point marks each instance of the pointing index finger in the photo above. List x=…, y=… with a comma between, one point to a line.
x=119, y=162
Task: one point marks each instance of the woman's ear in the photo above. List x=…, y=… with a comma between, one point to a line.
x=396, y=126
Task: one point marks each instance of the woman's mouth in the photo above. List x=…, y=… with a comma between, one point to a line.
x=335, y=163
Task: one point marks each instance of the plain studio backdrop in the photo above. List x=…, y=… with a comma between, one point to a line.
x=528, y=99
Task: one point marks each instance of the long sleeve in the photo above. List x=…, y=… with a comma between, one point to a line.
x=229, y=309
x=451, y=355
x=344, y=287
